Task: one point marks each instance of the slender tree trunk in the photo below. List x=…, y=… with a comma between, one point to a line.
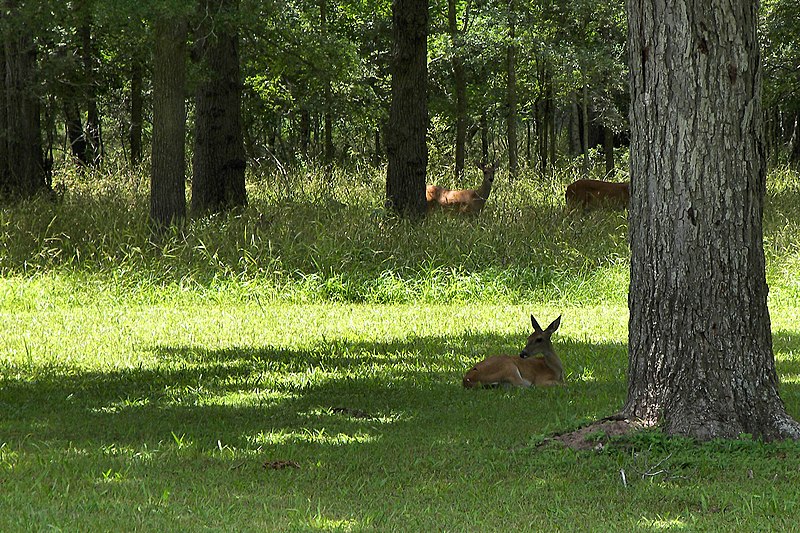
x=585, y=121
x=137, y=113
x=511, y=94
x=22, y=171
x=700, y=347
x=327, y=118
x=94, y=142
x=484, y=136
x=219, y=162
x=168, y=174
x=406, y=144
x=460, y=80
x=608, y=149
x=574, y=127
x=74, y=128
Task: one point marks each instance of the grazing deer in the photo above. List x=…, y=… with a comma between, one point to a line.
x=522, y=370
x=469, y=201
x=595, y=193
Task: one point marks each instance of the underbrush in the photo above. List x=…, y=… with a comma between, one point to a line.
x=311, y=237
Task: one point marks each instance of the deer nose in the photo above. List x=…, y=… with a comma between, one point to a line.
x=523, y=354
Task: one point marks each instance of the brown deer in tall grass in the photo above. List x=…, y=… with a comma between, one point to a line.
x=522, y=370
x=468, y=201
x=588, y=194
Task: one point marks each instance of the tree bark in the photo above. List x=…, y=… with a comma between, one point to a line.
x=460, y=81
x=406, y=132
x=168, y=174
x=219, y=161
x=608, y=149
x=137, y=114
x=511, y=94
x=93, y=137
x=22, y=171
x=700, y=347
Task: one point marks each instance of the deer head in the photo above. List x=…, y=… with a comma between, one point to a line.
x=539, y=343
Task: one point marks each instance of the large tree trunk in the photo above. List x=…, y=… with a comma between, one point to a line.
x=219, y=161
x=168, y=174
x=701, y=360
x=460, y=81
x=406, y=132
x=22, y=172
x=511, y=94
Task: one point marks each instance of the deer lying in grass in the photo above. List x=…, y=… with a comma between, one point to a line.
x=589, y=194
x=522, y=370
x=469, y=201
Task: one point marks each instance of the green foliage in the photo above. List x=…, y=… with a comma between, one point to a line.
x=260, y=370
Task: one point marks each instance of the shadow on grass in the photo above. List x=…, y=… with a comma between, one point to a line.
x=239, y=392
x=390, y=390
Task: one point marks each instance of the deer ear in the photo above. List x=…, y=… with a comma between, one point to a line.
x=554, y=325
x=536, y=326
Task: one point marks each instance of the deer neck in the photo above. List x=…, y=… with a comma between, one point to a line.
x=554, y=363
x=485, y=188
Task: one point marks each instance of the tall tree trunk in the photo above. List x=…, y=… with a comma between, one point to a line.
x=406, y=132
x=511, y=94
x=74, y=128
x=94, y=144
x=585, y=122
x=327, y=119
x=460, y=80
x=219, y=162
x=574, y=127
x=484, y=135
x=700, y=347
x=22, y=172
x=608, y=149
x=168, y=174
x=137, y=114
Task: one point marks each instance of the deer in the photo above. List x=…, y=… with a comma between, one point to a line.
x=466, y=201
x=590, y=194
x=523, y=370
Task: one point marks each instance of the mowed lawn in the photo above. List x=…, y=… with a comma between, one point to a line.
x=196, y=385
x=251, y=416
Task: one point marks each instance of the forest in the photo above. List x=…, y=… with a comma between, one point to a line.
x=536, y=85
x=339, y=266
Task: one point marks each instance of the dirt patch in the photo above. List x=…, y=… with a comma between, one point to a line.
x=596, y=435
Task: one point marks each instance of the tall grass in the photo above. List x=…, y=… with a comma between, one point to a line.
x=310, y=237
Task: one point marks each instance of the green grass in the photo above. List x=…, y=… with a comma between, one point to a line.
x=145, y=385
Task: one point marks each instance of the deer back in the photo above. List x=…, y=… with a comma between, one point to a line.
x=596, y=193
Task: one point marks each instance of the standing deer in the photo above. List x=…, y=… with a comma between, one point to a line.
x=469, y=201
x=595, y=193
x=522, y=370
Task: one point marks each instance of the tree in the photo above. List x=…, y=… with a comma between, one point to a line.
x=700, y=360
x=406, y=142
x=168, y=174
x=22, y=167
x=218, y=160
x=460, y=82
x=511, y=92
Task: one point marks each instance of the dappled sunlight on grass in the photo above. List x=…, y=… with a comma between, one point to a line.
x=309, y=436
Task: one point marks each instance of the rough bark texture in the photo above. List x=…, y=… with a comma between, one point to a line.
x=22, y=172
x=406, y=145
x=701, y=360
x=511, y=94
x=168, y=174
x=219, y=160
x=460, y=82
